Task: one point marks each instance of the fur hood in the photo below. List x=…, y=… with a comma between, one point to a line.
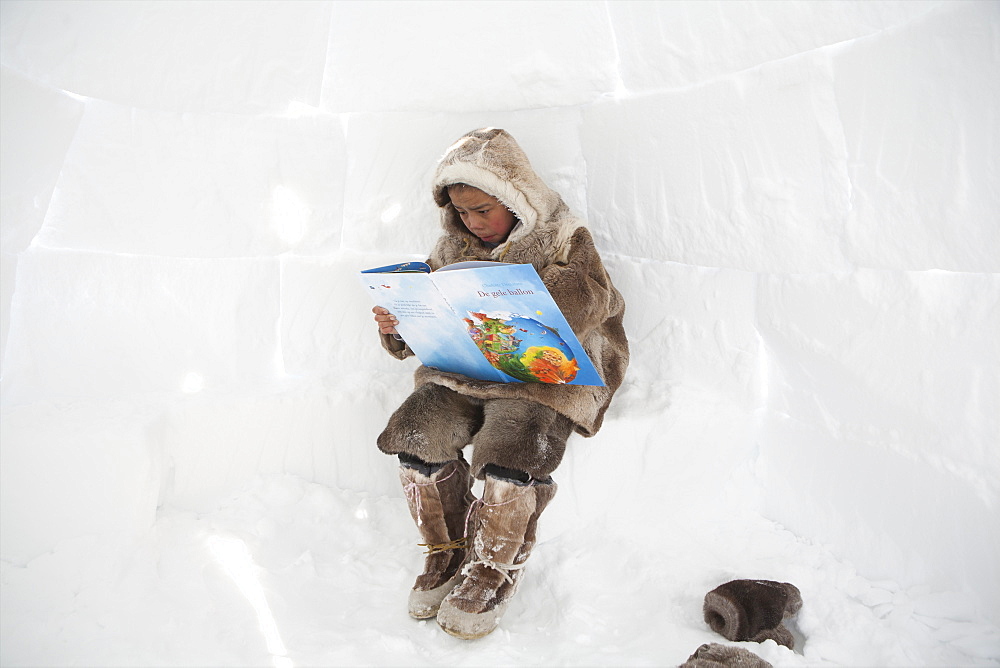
x=550, y=237
x=490, y=159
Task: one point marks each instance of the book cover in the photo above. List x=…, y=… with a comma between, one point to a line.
x=486, y=320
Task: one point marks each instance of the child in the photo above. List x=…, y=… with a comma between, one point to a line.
x=495, y=207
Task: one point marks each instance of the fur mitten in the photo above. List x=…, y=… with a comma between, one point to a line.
x=723, y=656
x=753, y=610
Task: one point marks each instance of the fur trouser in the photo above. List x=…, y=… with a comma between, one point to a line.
x=503, y=527
x=435, y=423
x=439, y=500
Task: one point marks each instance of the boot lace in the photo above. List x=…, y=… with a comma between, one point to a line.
x=501, y=568
x=434, y=548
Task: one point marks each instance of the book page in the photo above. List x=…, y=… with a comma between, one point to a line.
x=515, y=323
x=432, y=330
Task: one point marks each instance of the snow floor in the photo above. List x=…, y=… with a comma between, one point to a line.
x=291, y=573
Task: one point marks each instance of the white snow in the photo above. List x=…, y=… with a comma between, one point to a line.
x=797, y=199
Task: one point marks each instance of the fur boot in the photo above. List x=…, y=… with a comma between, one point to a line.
x=439, y=497
x=502, y=530
x=722, y=656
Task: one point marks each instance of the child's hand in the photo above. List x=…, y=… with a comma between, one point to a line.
x=386, y=321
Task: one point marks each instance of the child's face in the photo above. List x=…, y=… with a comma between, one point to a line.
x=482, y=214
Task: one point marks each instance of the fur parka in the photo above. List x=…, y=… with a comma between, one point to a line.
x=554, y=240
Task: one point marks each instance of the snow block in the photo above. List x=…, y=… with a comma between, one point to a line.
x=215, y=445
x=890, y=514
x=919, y=107
x=459, y=57
x=91, y=325
x=327, y=328
x=883, y=419
x=168, y=184
x=747, y=173
x=676, y=44
x=8, y=273
x=173, y=55
x=903, y=359
x=72, y=471
x=37, y=125
x=688, y=327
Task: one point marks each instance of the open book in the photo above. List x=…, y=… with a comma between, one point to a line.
x=486, y=320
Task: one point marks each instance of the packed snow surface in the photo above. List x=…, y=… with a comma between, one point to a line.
x=798, y=201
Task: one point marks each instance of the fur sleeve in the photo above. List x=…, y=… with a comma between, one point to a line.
x=581, y=286
x=395, y=347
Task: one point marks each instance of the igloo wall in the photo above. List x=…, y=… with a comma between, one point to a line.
x=798, y=200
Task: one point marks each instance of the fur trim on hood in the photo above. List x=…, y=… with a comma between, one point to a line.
x=552, y=239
